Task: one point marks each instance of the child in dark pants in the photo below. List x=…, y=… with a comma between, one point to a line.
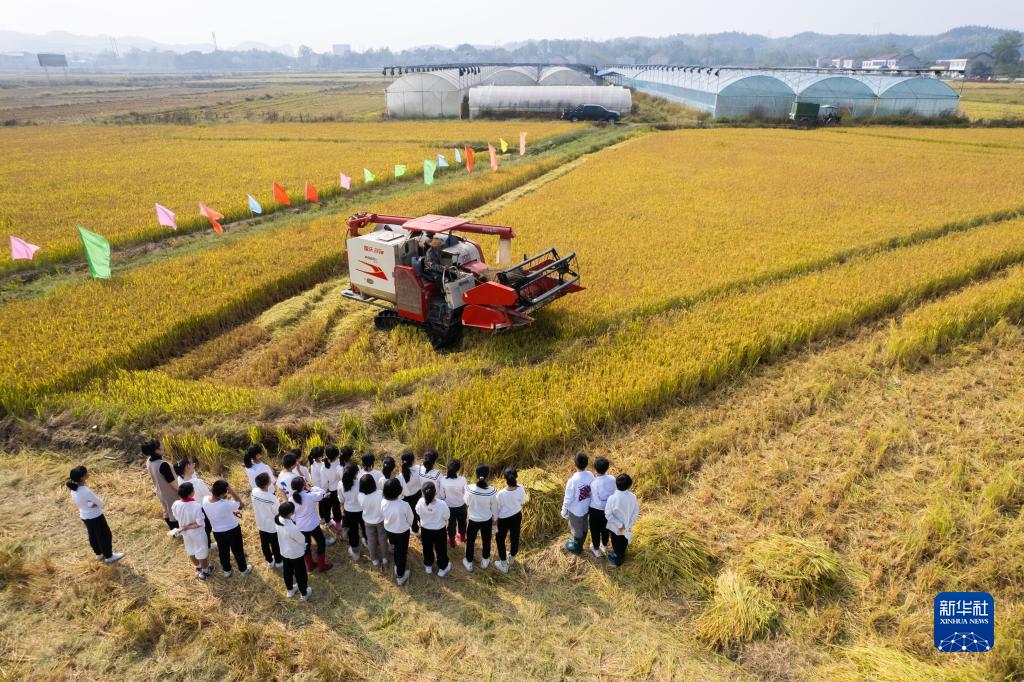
x=264, y=508
x=433, y=530
x=353, y=518
x=601, y=489
x=621, y=511
x=510, y=518
x=90, y=510
x=293, y=550
x=398, y=519
x=452, y=489
x=223, y=514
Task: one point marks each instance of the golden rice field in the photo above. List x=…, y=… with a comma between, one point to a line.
x=804, y=345
x=108, y=179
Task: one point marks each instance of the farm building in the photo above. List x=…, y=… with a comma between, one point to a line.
x=563, y=75
x=545, y=99
x=433, y=94
x=513, y=75
x=768, y=93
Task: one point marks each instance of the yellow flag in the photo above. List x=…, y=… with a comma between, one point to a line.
x=504, y=145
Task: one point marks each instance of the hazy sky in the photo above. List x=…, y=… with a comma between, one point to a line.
x=400, y=24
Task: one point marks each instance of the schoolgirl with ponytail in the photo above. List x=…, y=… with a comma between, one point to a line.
x=348, y=490
x=331, y=478
x=453, y=491
x=306, y=499
x=293, y=551
x=482, y=509
x=412, y=484
x=254, y=465
x=434, y=516
x=90, y=510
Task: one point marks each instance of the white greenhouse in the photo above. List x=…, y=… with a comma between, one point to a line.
x=563, y=75
x=513, y=75
x=486, y=99
x=432, y=94
x=768, y=93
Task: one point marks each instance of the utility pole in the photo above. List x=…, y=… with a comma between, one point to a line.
x=214, y=35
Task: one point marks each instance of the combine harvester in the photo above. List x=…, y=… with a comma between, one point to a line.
x=420, y=272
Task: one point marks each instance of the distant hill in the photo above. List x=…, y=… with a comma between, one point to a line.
x=741, y=49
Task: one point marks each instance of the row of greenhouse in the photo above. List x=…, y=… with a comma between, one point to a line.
x=744, y=93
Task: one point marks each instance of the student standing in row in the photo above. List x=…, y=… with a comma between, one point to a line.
x=621, y=511
x=353, y=518
x=192, y=529
x=453, y=492
x=293, y=550
x=427, y=471
x=264, y=507
x=318, y=480
x=307, y=500
x=576, y=504
x=433, y=515
x=224, y=514
x=186, y=472
x=254, y=465
x=482, y=509
x=510, y=518
x=90, y=510
x=601, y=490
x=332, y=477
x=370, y=498
x=387, y=470
x=398, y=519
x=165, y=485
x=412, y=485
x=289, y=471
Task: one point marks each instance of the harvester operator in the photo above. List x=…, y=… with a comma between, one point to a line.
x=432, y=267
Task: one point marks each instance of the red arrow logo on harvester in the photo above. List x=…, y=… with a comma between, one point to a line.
x=374, y=272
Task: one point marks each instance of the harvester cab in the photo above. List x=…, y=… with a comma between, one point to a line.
x=420, y=271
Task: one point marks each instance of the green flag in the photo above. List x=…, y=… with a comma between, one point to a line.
x=367, y=176
x=97, y=253
x=428, y=171
x=399, y=170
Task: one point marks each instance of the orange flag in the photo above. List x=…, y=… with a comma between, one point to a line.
x=311, y=193
x=494, y=157
x=212, y=216
x=280, y=196
x=469, y=160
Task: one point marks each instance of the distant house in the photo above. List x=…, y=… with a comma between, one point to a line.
x=844, y=62
x=969, y=66
x=907, y=60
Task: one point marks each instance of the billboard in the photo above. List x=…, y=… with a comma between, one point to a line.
x=48, y=59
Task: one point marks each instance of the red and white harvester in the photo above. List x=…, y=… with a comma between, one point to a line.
x=419, y=271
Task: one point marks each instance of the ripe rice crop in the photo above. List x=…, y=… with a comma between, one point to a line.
x=967, y=314
x=665, y=217
x=518, y=412
x=740, y=612
x=108, y=179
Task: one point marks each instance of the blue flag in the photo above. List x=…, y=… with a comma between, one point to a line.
x=441, y=161
x=254, y=205
x=458, y=156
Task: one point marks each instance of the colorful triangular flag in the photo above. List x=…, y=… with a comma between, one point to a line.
x=441, y=161
x=346, y=181
x=311, y=194
x=280, y=196
x=504, y=145
x=399, y=170
x=254, y=205
x=97, y=253
x=494, y=157
x=469, y=159
x=429, y=168
x=165, y=217
x=522, y=143
x=368, y=177
x=213, y=216
x=458, y=156
x=22, y=250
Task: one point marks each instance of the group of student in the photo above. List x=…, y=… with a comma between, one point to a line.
x=379, y=509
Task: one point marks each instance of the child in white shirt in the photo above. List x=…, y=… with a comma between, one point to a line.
x=331, y=479
x=192, y=529
x=433, y=529
x=352, y=521
x=186, y=473
x=576, y=504
x=370, y=498
x=398, y=518
x=254, y=465
x=602, y=489
x=264, y=507
x=453, y=491
x=511, y=499
x=621, y=511
x=90, y=510
x=482, y=510
x=412, y=484
x=367, y=461
x=293, y=550
x=224, y=514
x=307, y=500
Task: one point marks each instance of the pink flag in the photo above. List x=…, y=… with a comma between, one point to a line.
x=165, y=217
x=522, y=143
x=346, y=181
x=494, y=157
x=22, y=250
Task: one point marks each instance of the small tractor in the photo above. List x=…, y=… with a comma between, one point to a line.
x=419, y=271
x=808, y=115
